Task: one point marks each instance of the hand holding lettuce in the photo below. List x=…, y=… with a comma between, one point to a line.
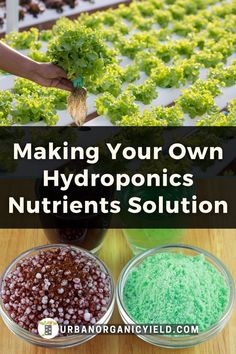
x=81, y=52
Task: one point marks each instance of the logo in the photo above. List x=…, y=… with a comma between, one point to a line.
x=48, y=328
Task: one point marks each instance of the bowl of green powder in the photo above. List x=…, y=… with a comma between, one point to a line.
x=175, y=295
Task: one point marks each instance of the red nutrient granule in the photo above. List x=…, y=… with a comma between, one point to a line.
x=66, y=285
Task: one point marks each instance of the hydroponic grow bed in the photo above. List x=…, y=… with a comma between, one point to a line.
x=51, y=15
x=175, y=64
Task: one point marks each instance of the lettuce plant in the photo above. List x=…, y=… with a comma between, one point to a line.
x=225, y=74
x=196, y=103
x=28, y=88
x=81, y=52
x=110, y=82
x=167, y=76
x=216, y=118
x=147, y=118
x=145, y=92
x=6, y=99
x=34, y=109
x=158, y=116
x=116, y=108
x=23, y=40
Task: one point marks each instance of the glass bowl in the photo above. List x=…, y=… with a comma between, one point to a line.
x=58, y=342
x=185, y=340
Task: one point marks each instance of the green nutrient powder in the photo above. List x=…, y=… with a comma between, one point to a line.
x=172, y=288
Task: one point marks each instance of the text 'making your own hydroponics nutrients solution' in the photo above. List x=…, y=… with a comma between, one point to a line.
x=86, y=178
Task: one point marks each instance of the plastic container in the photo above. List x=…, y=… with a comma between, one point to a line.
x=58, y=342
x=150, y=235
x=85, y=231
x=140, y=240
x=183, y=341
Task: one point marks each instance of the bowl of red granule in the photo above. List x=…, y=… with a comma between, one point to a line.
x=65, y=284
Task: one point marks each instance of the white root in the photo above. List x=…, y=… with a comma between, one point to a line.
x=77, y=106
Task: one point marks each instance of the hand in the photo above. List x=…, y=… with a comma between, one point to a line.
x=45, y=74
x=50, y=75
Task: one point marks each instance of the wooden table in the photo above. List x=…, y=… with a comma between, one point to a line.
x=116, y=253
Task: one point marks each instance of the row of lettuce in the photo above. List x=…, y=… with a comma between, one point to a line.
x=169, y=41
x=30, y=102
